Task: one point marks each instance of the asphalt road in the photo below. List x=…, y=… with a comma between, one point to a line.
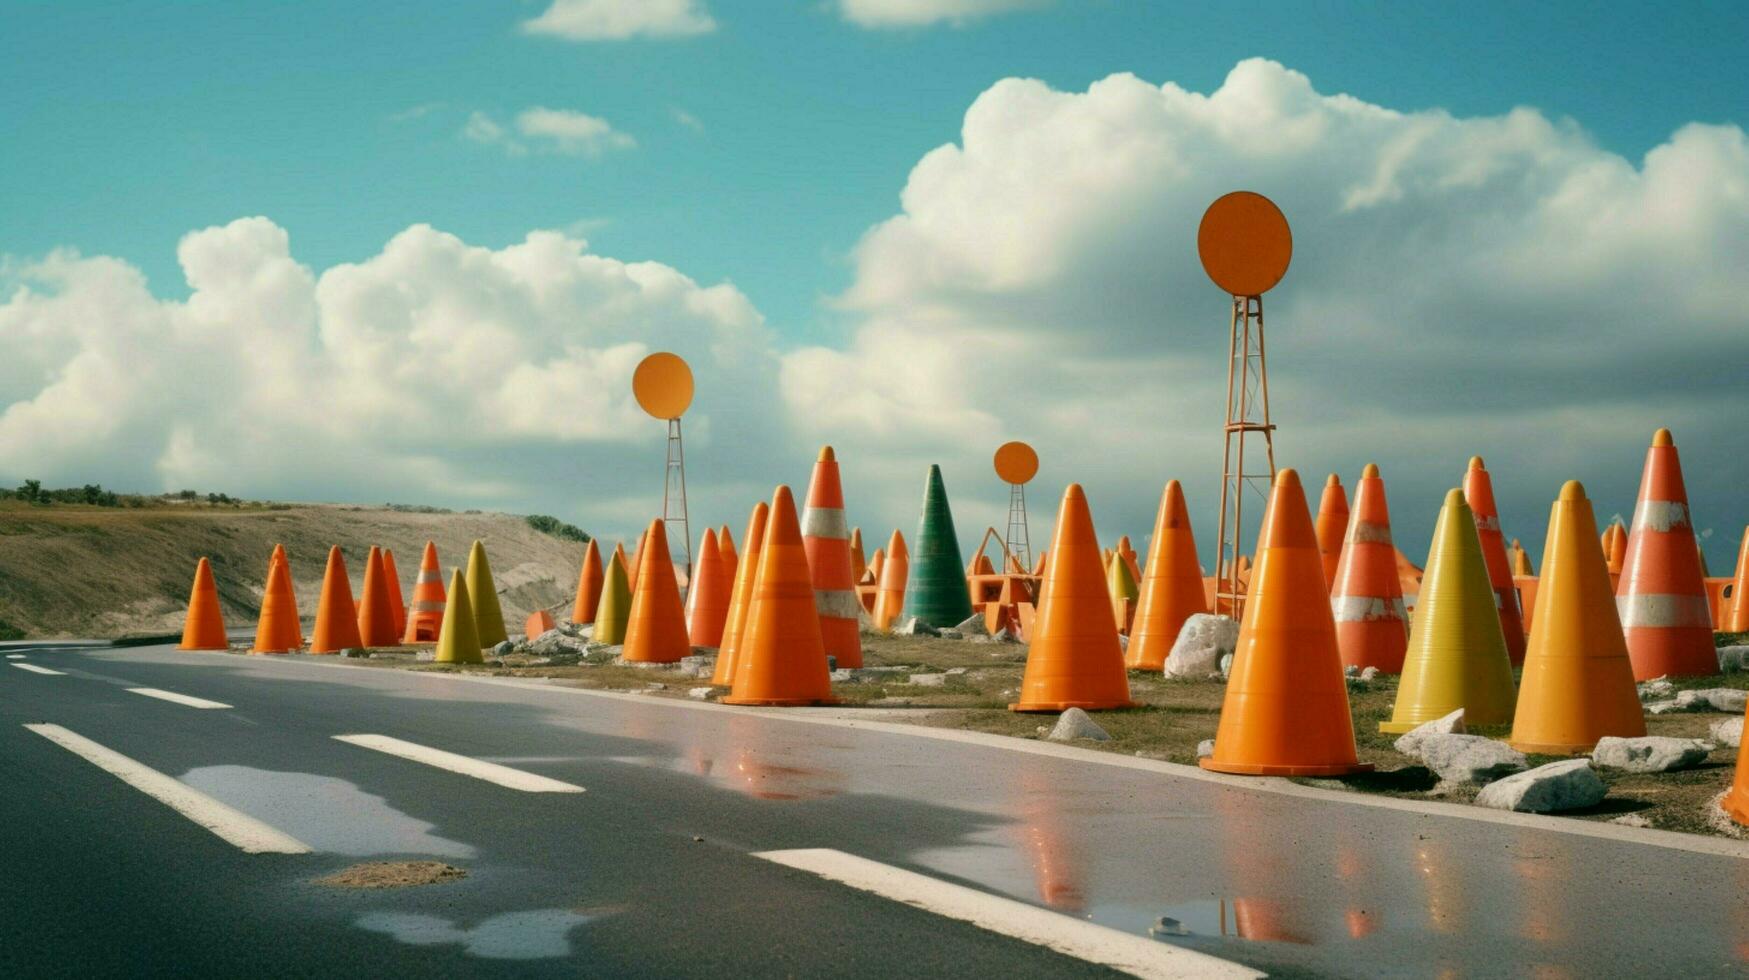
x=653, y=870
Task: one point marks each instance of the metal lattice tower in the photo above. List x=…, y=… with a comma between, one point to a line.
x=1019, y=538
x=1242, y=478
x=674, y=495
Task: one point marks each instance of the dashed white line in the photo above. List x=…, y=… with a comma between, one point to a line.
x=33, y=668
x=183, y=699
x=245, y=832
x=15, y=656
x=1122, y=951
x=491, y=772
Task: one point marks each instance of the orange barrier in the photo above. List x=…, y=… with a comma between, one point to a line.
x=708, y=600
x=589, y=578
x=826, y=539
x=741, y=597
x=656, y=626
x=540, y=621
x=1286, y=707
x=1366, y=595
x=890, y=598
x=1171, y=590
x=204, y=627
x=1578, y=683
x=1074, y=660
x=376, y=612
x=1734, y=609
x=336, y=618
x=783, y=659
x=458, y=640
x=425, y=615
x=1332, y=525
x=397, y=598
x=1479, y=494
x=1662, y=598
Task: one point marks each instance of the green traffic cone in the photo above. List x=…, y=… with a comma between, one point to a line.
x=936, y=592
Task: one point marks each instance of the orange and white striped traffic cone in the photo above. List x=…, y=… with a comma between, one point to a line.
x=826, y=536
x=1662, y=595
x=1366, y=597
x=425, y=616
x=1479, y=494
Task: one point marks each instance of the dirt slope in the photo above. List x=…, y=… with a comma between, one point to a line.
x=105, y=572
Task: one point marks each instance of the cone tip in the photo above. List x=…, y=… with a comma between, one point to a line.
x=1662, y=438
x=1073, y=492
x=1573, y=490
x=782, y=495
x=1333, y=481
x=1476, y=463
x=1455, y=497
x=827, y=455
x=1287, y=478
x=1371, y=472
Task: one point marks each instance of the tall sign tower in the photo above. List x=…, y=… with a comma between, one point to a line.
x=662, y=384
x=1245, y=246
x=1017, y=463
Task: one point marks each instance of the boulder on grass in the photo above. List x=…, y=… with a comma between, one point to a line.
x=1566, y=785
x=1201, y=643
x=1409, y=743
x=1074, y=724
x=912, y=626
x=1727, y=699
x=1470, y=758
x=1728, y=732
x=1732, y=658
x=1650, y=753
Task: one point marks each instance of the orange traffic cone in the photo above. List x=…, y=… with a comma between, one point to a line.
x=826, y=536
x=726, y=555
x=1479, y=494
x=635, y=561
x=1615, y=547
x=890, y=594
x=588, y=585
x=740, y=597
x=1286, y=707
x=397, y=599
x=540, y=621
x=783, y=658
x=1074, y=660
x=204, y=629
x=425, y=616
x=1366, y=597
x=708, y=599
x=872, y=574
x=1521, y=566
x=656, y=627
x=1332, y=526
x=1736, y=801
x=297, y=622
x=858, y=563
x=1662, y=597
x=1171, y=588
x=376, y=614
x=336, y=618
x=1578, y=684
x=1736, y=619
x=276, y=629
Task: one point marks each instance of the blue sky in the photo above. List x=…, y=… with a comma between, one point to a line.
x=1033, y=281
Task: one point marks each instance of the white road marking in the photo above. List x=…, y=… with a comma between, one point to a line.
x=185, y=699
x=15, y=656
x=1135, y=955
x=491, y=772
x=245, y=832
x=33, y=668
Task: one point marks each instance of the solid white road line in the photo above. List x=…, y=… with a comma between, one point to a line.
x=15, y=656
x=1136, y=955
x=491, y=772
x=190, y=701
x=33, y=668
x=247, y=833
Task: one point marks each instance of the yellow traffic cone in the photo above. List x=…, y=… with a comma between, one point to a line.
x=458, y=641
x=1457, y=653
x=614, y=610
x=483, y=597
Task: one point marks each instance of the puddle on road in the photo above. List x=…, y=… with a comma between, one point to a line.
x=326, y=813
x=534, y=935
x=749, y=773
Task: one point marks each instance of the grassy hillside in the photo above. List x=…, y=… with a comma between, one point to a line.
x=70, y=570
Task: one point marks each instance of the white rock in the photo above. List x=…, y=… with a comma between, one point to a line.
x=912, y=626
x=1350, y=670
x=700, y=693
x=956, y=671
x=1726, y=699
x=1074, y=724
x=1201, y=643
x=503, y=648
x=1657, y=689
x=1566, y=785
x=1470, y=758
x=950, y=634
x=1663, y=707
x=1728, y=732
x=1732, y=658
x=1632, y=820
x=972, y=626
x=843, y=677
x=1410, y=742
x=929, y=680
x=1205, y=748
x=1226, y=664
x=1649, y=753
x=1369, y=673
x=1123, y=642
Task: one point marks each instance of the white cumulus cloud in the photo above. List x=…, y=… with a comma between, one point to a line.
x=916, y=13
x=562, y=131
x=617, y=20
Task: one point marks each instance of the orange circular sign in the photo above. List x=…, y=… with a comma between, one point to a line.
x=1244, y=243
x=1016, y=462
x=663, y=385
